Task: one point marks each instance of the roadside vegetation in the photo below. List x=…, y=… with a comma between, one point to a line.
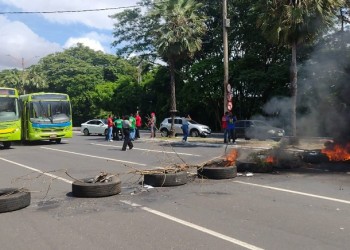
x=144, y=72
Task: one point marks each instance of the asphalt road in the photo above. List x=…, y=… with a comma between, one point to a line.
x=284, y=210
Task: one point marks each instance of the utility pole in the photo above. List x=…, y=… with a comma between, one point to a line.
x=23, y=64
x=226, y=24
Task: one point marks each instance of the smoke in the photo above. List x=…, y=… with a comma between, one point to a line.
x=323, y=105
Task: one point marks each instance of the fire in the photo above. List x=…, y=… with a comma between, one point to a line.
x=337, y=152
x=231, y=158
x=270, y=159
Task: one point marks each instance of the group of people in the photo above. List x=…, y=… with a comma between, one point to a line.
x=228, y=125
x=127, y=128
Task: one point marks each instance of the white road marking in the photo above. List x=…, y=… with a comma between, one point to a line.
x=37, y=170
x=194, y=226
x=147, y=150
x=94, y=156
x=295, y=192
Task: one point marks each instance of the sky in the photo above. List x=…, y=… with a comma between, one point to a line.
x=25, y=38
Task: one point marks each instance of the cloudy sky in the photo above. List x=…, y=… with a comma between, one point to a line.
x=28, y=37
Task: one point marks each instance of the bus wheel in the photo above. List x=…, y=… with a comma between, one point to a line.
x=58, y=141
x=7, y=144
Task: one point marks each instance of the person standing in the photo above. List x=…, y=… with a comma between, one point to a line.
x=132, y=127
x=231, y=119
x=224, y=125
x=110, y=125
x=185, y=127
x=138, y=124
x=152, y=124
x=126, y=130
x=119, y=128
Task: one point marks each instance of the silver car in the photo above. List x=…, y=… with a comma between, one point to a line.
x=95, y=126
x=194, y=128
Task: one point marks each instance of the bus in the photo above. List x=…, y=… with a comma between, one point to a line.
x=10, y=116
x=46, y=116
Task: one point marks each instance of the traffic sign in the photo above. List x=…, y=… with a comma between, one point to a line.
x=228, y=88
x=229, y=105
x=229, y=96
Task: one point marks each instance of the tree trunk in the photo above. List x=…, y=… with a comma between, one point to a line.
x=173, y=97
x=294, y=87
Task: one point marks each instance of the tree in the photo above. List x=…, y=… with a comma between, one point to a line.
x=173, y=29
x=292, y=23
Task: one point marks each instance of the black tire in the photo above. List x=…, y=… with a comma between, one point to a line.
x=58, y=141
x=86, y=132
x=164, y=132
x=217, y=172
x=106, y=131
x=7, y=144
x=166, y=180
x=194, y=133
x=84, y=188
x=12, y=199
x=254, y=167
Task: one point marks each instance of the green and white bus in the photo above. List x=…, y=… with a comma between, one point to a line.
x=46, y=116
x=10, y=116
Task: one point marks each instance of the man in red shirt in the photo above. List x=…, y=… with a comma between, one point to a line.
x=138, y=125
x=110, y=124
x=224, y=125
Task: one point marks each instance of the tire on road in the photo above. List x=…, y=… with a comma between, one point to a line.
x=166, y=180
x=217, y=172
x=12, y=199
x=86, y=188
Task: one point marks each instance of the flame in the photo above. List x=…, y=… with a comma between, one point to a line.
x=270, y=159
x=231, y=158
x=337, y=152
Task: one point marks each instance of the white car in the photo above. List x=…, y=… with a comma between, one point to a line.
x=95, y=126
x=194, y=128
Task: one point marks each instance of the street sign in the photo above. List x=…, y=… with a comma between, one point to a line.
x=229, y=96
x=228, y=88
x=229, y=105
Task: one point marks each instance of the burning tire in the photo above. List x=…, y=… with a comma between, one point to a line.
x=217, y=172
x=166, y=180
x=12, y=199
x=254, y=167
x=87, y=188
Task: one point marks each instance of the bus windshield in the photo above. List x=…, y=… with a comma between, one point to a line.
x=9, y=109
x=50, y=112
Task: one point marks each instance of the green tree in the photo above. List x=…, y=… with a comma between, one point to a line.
x=172, y=29
x=292, y=23
x=178, y=37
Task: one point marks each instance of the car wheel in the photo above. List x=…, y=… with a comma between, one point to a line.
x=106, y=131
x=86, y=131
x=85, y=188
x=7, y=144
x=164, y=132
x=166, y=180
x=13, y=199
x=194, y=133
x=58, y=141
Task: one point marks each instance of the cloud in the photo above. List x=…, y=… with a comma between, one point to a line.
x=95, y=19
x=20, y=44
x=91, y=43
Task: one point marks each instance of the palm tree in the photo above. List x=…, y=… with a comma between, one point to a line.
x=292, y=23
x=12, y=79
x=178, y=36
